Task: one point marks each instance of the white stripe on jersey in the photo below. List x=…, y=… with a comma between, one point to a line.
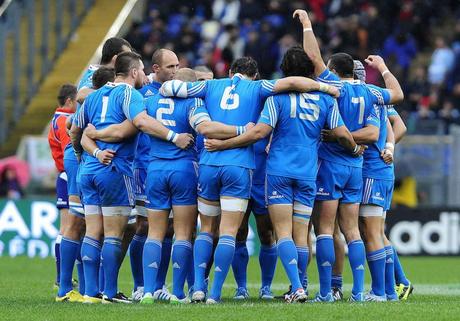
x=268, y=85
x=127, y=101
x=377, y=94
x=196, y=88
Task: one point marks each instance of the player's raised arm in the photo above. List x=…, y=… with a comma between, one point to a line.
x=399, y=128
x=391, y=83
x=310, y=44
x=113, y=133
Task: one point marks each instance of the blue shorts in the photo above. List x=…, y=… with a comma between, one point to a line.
x=62, y=198
x=140, y=175
x=339, y=182
x=257, y=202
x=109, y=188
x=167, y=188
x=217, y=181
x=378, y=192
x=285, y=190
x=71, y=168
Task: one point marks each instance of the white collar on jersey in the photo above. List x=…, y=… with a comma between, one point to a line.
x=114, y=84
x=353, y=81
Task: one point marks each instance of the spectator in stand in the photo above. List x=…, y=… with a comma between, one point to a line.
x=417, y=87
x=449, y=114
x=442, y=62
x=9, y=184
x=401, y=47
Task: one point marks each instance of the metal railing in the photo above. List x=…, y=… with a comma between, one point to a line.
x=434, y=162
x=33, y=33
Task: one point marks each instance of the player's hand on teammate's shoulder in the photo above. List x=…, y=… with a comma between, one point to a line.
x=90, y=131
x=105, y=156
x=387, y=156
x=303, y=17
x=184, y=141
x=213, y=145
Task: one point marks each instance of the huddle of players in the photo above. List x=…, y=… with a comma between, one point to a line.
x=118, y=164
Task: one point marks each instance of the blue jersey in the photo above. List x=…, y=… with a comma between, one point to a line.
x=86, y=80
x=109, y=105
x=357, y=106
x=141, y=159
x=179, y=115
x=374, y=166
x=235, y=101
x=297, y=119
x=258, y=177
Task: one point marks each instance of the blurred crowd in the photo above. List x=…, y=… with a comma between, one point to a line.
x=419, y=39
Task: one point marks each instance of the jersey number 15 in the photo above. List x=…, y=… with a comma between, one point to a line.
x=305, y=105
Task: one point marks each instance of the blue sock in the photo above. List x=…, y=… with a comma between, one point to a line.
x=151, y=259
x=81, y=274
x=288, y=255
x=223, y=258
x=376, y=262
x=267, y=260
x=101, y=278
x=91, y=258
x=69, y=251
x=164, y=266
x=302, y=262
x=400, y=276
x=240, y=264
x=57, y=255
x=337, y=281
x=202, y=253
x=389, y=272
x=357, y=258
x=181, y=257
x=135, y=255
x=111, y=260
x=325, y=259
x=190, y=272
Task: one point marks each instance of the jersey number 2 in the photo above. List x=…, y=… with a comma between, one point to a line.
x=166, y=110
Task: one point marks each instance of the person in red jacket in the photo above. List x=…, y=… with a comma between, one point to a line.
x=58, y=139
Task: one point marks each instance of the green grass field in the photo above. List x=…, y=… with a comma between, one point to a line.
x=26, y=294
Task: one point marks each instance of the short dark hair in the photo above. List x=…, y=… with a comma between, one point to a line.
x=66, y=91
x=246, y=66
x=125, y=62
x=102, y=76
x=113, y=46
x=343, y=64
x=297, y=63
